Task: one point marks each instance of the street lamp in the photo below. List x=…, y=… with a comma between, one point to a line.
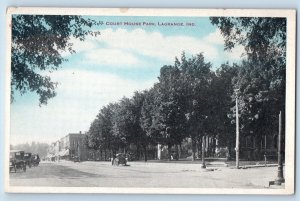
x=280, y=179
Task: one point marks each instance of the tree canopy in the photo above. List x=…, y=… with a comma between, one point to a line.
x=260, y=82
x=37, y=44
x=191, y=100
x=262, y=37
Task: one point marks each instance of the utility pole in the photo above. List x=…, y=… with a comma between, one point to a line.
x=203, y=152
x=265, y=155
x=237, y=142
x=280, y=179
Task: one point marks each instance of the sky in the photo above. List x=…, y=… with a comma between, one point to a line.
x=122, y=59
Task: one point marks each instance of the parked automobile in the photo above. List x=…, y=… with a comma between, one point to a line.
x=35, y=159
x=16, y=161
x=120, y=159
x=27, y=158
x=76, y=159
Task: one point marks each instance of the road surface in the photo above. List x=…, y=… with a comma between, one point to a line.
x=140, y=174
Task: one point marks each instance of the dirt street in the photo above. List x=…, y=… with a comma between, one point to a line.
x=140, y=174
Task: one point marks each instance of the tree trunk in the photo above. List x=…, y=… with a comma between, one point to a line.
x=193, y=149
x=169, y=151
x=145, y=153
x=179, y=151
x=125, y=150
x=208, y=146
x=199, y=147
x=137, y=151
x=229, y=153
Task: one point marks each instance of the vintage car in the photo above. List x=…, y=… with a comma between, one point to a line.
x=76, y=159
x=120, y=159
x=16, y=161
x=27, y=158
x=35, y=159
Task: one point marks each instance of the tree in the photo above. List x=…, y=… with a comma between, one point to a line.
x=195, y=82
x=100, y=135
x=94, y=138
x=221, y=93
x=140, y=136
x=34, y=148
x=37, y=44
x=260, y=82
x=259, y=100
x=264, y=40
x=170, y=117
x=262, y=37
x=149, y=119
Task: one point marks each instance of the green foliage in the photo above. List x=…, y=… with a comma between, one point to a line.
x=191, y=100
x=170, y=113
x=100, y=135
x=262, y=37
x=196, y=79
x=220, y=94
x=260, y=82
x=149, y=113
x=37, y=44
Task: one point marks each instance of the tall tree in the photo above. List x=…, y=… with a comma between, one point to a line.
x=100, y=135
x=170, y=114
x=37, y=44
x=124, y=128
x=149, y=119
x=262, y=37
x=264, y=40
x=195, y=82
x=221, y=92
x=260, y=83
x=140, y=136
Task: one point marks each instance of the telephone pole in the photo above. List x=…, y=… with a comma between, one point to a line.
x=203, y=152
x=237, y=142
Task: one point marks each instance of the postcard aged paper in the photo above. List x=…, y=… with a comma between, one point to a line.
x=165, y=101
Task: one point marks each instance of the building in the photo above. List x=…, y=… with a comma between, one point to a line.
x=69, y=147
x=73, y=145
x=53, y=151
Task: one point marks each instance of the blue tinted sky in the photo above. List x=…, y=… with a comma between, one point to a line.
x=105, y=68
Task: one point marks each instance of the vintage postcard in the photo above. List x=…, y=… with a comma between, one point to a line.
x=164, y=101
